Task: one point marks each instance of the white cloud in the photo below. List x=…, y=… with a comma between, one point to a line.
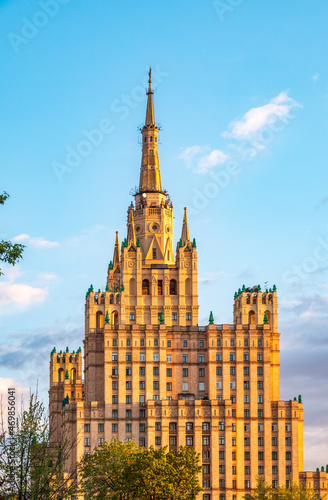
x=195, y=157
x=256, y=119
x=47, y=277
x=15, y=296
x=37, y=242
x=315, y=77
x=207, y=162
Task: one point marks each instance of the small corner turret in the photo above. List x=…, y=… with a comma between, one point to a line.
x=252, y=306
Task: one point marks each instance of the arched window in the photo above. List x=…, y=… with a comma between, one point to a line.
x=102, y=299
x=118, y=299
x=188, y=286
x=270, y=299
x=115, y=318
x=251, y=318
x=248, y=299
x=133, y=287
x=99, y=320
x=263, y=298
x=111, y=299
x=145, y=287
x=96, y=299
x=254, y=298
x=73, y=374
x=60, y=375
x=269, y=317
x=173, y=287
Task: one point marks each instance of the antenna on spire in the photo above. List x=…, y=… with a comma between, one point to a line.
x=150, y=91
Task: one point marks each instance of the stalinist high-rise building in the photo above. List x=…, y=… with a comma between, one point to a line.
x=152, y=374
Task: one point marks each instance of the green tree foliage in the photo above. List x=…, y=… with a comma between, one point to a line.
x=32, y=466
x=122, y=471
x=9, y=252
x=295, y=491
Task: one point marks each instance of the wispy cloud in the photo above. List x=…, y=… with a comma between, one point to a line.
x=37, y=242
x=47, y=277
x=200, y=160
x=256, y=119
x=18, y=296
x=315, y=77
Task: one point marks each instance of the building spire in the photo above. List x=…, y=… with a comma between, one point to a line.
x=117, y=255
x=185, y=237
x=131, y=228
x=150, y=116
x=150, y=174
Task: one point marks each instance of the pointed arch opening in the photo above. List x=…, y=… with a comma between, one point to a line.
x=173, y=287
x=73, y=374
x=263, y=298
x=248, y=299
x=115, y=318
x=269, y=317
x=60, y=375
x=254, y=298
x=145, y=287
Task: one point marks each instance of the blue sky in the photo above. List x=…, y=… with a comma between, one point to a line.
x=242, y=97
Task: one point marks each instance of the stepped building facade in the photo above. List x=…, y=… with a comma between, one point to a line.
x=152, y=374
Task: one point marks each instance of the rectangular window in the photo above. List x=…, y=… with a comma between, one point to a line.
x=185, y=386
x=206, y=440
x=218, y=342
x=115, y=370
x=201, y=372
x=201, y=358
x=261, y=470
x=155, y=397
x=142, y=356
x=288, y=441
x=218, y=356
x=260, y=441
x=274, y=455
x=219, y=370
x=234, y=470
x=173, y=441
x=169, y=372
x=260, y=398
x=156, y=385
x=221, y=439
x=128, y=385
x=274, y=441
x=168, y=343
x=155, y=356
x=160, y=287
x=128, y=342
x=142, y=385
x=172, y=426
x=114, y=413
x=232, y=356
x=232, y=384
x=259, y=342
x=260, y=413
x=142, y=442
x=189, y=440
x=218, y=385
x=232, y=342
x=100, y=427
x=221, y=455
x=221, y=483
x=288, y=469
x=132, y=316
x=232, y=370
x=259, y=356
x=141, y=398
x=202, y=386
x=169, y=358
x=128, y=427
x=260, y=427
x=154, y=253
x=247, y=484
x=114, y=385
x=86, y=441
x=184, y=358
x=128, y=399
x=274, y=484
x=246, y=427
x=274, y=469
x=260, y=370
x=246, y=384
x=246, y=356
x=247, y=470
x=142, y=413
x=287, y=427
x=206, y=426
x=246, y=413
x=260, y=455
x=260, y=384
x=185, y=343
x=233, y=426
x=128, y=413
x=246, y=398
x=174, y=316
x=86, y=427
x=246, y=342
x=246, y=370
x=142, y=370
x=246, y=441
x=114, y=427
x=233, y=399
x=247, y=455
x=189, y=426
x=128, y=370
x=288, y=455
x=157, y=426
x=188, y=316
x=114, y=342
x=201, y=343
x=169, y=386
x=185, y=372
x=142, y=427
x=142, y=342
x=114, y=400
x=114, y=356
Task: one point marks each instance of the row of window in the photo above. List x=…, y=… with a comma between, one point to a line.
x=185, y=342
x=201, y=372
x=234, y=344
x=185, y=357
x=174, y=316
